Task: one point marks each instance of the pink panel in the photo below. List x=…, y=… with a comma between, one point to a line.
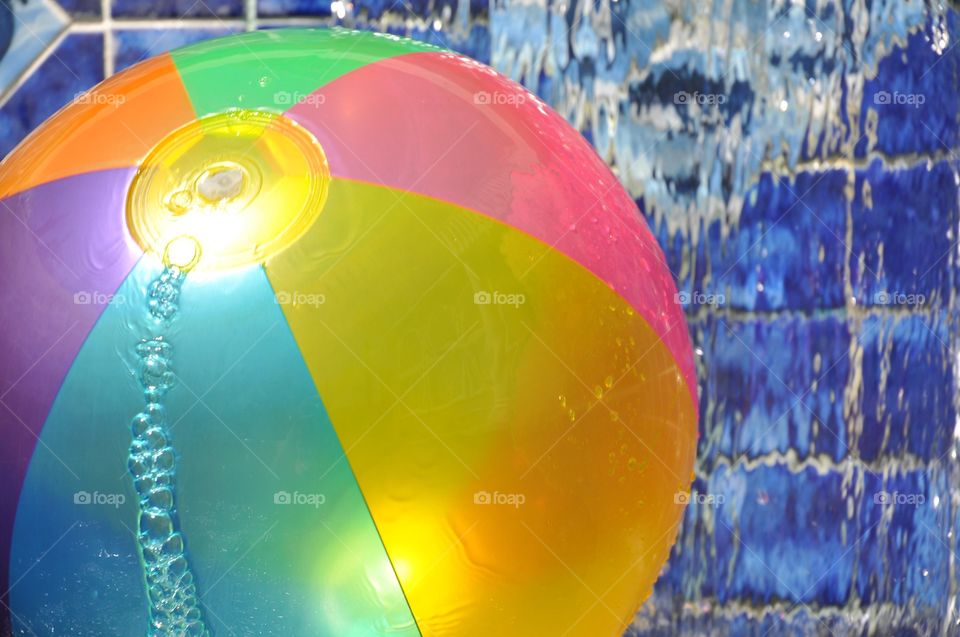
x=447, y=127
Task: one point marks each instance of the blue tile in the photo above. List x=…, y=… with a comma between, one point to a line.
x=82, y=8
x=915, y=96
x=134, y=45
x=787, y=251
x=907, y=387
x=280, y=8
x=916, y=234
x=75, y=66
x=774, y=533
x=773, y=386
x=900, y=524
x=177, y=8
x=25, y=33
x=475, y=43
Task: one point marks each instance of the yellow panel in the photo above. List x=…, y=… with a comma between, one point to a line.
x=519, y=432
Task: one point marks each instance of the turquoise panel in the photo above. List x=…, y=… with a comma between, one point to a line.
x=277, y=532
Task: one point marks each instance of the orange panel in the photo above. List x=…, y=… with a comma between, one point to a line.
x=112, y=126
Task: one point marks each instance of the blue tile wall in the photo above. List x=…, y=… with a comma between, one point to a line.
x=927, y=124
x=894, y=213
x=282, y=8
x=907, y=387
x=134, y=45
x=82, y=8
x=76, y=65
x=797, y=163
x=788, y=237
x=768, y=399
x=176, y=8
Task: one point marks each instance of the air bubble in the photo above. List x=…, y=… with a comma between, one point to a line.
x=173, y=545
x=140, y=423
x=161, y=499
x=155, y=438
x=178, y=567
x=165, y=459
x=174, y=607
x=155, y=525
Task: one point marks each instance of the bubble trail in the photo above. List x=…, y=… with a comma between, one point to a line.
x=171, y=588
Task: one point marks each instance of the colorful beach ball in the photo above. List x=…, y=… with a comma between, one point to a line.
x=331, y=333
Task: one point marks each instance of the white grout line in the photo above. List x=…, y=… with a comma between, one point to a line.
x=299, y=21
x=186, y=24
x=109, y=48
x=34, y=65
x=59, y=11
x=250, y=14
x=120, y=24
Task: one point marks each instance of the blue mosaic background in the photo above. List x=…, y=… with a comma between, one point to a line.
x=796, y=161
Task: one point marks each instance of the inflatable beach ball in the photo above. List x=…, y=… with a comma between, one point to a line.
x=324, y=333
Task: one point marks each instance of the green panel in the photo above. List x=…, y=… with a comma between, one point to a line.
x=277, y=531
x=272, y=70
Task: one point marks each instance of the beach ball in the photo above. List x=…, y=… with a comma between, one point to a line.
x=331, y=333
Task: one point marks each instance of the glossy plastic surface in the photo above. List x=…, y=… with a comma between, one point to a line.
x=430, y=374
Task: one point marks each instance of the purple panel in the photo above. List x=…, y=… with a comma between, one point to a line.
x=64, y=250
